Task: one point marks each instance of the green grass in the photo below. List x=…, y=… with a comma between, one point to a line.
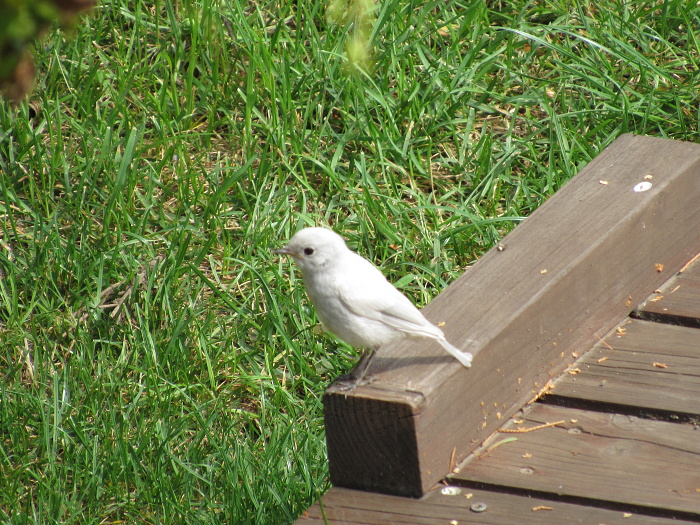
x=159, y=363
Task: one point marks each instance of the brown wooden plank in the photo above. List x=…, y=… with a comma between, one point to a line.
x=572, y=270
x=677, y=301
x=352, y=507
x=642, y=364
x=605, y=457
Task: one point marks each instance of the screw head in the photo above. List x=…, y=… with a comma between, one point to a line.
x=451, y=491
x=478, y=507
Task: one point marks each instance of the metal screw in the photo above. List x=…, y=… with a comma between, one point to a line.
x=478, y=507
x=451, y=491
x=642, y=186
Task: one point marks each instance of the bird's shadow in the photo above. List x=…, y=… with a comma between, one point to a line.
x=382, y=366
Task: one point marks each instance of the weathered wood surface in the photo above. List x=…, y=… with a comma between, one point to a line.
x=677, y=301
x=567, y=275
x=641, y=364
x=445, y=505
x=612, y=458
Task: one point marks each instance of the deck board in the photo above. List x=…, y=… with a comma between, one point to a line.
x=354, y=507
x=611, y=458
x=677, y=301
x=641, y=364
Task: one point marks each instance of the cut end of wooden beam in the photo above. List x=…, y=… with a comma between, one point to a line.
x=382, y=451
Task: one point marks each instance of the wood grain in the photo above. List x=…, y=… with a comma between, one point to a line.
x=351, y=507
x=605, y=457
x=568, y=274
x=642, y=364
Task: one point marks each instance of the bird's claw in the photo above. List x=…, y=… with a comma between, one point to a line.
x=348, y=383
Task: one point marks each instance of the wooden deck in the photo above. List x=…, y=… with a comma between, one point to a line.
x=598, y=430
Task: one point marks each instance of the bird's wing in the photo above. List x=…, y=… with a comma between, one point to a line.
x=366, y=292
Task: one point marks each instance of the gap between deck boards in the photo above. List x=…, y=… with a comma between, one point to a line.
x=587, y=503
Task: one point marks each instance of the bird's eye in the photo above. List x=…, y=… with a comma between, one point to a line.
x=308, y=251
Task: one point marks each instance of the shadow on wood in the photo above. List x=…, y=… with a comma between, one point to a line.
x=568, y=274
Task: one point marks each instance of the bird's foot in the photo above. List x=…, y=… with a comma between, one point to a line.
x=348, y=382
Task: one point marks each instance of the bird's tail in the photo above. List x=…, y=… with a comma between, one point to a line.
x=463, y=357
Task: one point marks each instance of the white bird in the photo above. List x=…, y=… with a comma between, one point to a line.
x=354, y=300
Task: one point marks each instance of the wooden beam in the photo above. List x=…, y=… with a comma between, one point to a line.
x=566, y=276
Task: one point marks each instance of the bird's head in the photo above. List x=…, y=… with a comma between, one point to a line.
x=314, y=248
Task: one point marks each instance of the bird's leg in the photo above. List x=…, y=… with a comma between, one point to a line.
x=357, y=376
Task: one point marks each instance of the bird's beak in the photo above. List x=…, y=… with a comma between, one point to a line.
x=284, y=251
